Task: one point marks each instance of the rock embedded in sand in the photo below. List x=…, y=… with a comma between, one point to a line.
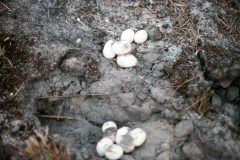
x=154, y=33
x=78, y=40
x=192, y=150
x=232, y=93
x=127, y=61
x=165, y=147
x=127, y=35
x=183, y=128
x=164, y=156
x=140, y=36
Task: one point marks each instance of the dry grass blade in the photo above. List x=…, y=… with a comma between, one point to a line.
x=56, y=98
x=42, y=147
x=201, y=102
x=2, y=53
x=19, y=89
x=5, y=6
x=184, y=83
x=56, y=117
x=185, y=27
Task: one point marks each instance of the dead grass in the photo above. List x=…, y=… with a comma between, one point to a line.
x=201, y=103
x=185, y=29
x=4, y=7
x=179, y=85
x=229, y=25
x=42, y=146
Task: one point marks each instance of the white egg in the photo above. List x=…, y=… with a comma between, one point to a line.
x=127, y=143
x=127, y=60
x=140, y=36
x=103, y=145
x=108, y=124
x=127, y=35
x=139, y=136
x=110, y=133
x=114, y=152
x=121, y=47
x=121, y=132
x=107, y=50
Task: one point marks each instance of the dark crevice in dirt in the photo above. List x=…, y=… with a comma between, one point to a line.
x=217, y=58
x=185, y=73
x=228, y=23
x=81, y=64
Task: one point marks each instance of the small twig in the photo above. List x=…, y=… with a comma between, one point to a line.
x=9, y=61
x=220, y=20
x=179, y=4
x=152, y=10
x=179, y=29
x=99, y=18
x=180, y=85
x=73, y=96
x=185, y=23
x=56, y=117
x=6, y=39
x=18, y=90
x=78, y=19
x=6, y=6
x=195, y=103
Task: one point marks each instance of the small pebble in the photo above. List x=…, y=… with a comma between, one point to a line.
x=78, y=41
x=183, y=128
x=232, y=93
x=155, y=34
x=165, y=147
x=164, y=156
x=216, y=100
x=127, y=157
x=192, y=150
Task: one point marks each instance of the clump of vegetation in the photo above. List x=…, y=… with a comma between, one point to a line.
x=201, y=102
x=42, y=146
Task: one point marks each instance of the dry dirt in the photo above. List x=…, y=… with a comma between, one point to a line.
x=188, y=73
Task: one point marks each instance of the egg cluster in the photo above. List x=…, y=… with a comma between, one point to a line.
x=126, y=140
x=123, y=48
